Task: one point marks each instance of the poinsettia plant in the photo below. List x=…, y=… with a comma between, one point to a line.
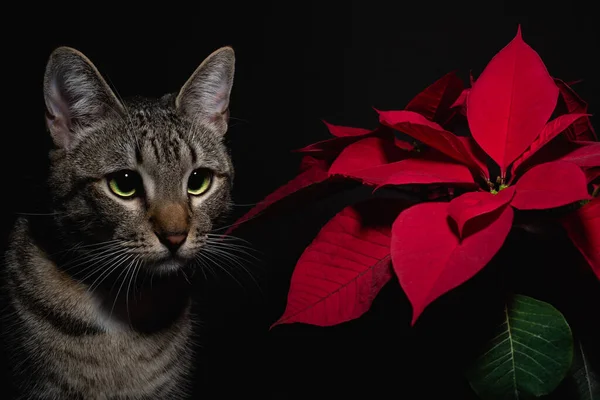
x=526, y=145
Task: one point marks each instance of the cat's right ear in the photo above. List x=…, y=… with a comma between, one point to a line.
x=76, y=96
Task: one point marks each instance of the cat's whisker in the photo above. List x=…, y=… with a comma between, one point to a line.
x=234, y=248
x=236, y=260
x=139, y=268
x=199, y=262
x=80, y=245
x=239, y=119
x=68, y=250
x=215, y=263
x=125, y=270
x=227, y=237
x=89, y=262
x=95, y=254
x=151, y=278
x=134, y=272
x=99, y=265
x=232, y=260
x=221, y=228
x=92, y=249
x=185, y=277
x=116, y=261
x=228, y=243
x=240, y=248
x=242, y=252
x=200, y=266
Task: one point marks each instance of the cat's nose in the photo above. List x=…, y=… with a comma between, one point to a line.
x=172, y=240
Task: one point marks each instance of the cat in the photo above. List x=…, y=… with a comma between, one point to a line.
x=98, y=293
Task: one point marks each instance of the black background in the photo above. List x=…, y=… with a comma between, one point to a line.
x=298, y=63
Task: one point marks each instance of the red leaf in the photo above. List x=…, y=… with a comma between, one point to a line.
x=430, y=133
x=430, y=260
x=474, y=204
x=333, y=146
x=554, y=150
x=586, y=156
x=434, y=102
x=582, y=129
x=511, y=102
x=461, y=102
x=592, y=174
x=403, y=145
x=550, y=185
x=342, y=131
x=476, y=154
x=551, y=129
x=315, y=174
x=583, y=227
x=307, y=162
x=424, y=171
x=328, y=145
x=375, y=175
x=342, y=270
x=366, y=153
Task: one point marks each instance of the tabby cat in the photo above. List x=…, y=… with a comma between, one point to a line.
x=98, y=292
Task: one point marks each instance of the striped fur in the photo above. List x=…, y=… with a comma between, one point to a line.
x=99, y=307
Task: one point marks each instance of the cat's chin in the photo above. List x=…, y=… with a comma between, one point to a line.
x=167, y=266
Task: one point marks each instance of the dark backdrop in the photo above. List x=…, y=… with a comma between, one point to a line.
x=297, y=63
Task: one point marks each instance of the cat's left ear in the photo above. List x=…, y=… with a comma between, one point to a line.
x=205, y=95
x=76, y=97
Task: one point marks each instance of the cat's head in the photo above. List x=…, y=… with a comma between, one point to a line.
x=145, y=179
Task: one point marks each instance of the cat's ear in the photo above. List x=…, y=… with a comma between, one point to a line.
x=205, y=95
x=76, y=96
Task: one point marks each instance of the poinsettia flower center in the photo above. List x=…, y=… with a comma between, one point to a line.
x=499, y=185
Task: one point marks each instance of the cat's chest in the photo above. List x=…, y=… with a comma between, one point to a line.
x=116, y=365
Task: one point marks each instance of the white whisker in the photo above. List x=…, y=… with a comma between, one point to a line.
x=122, y=258
x=126, y=270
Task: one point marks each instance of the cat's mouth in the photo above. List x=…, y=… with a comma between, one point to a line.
x=172, y=263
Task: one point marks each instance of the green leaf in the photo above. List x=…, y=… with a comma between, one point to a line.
x=528, y=355
x=587, y=383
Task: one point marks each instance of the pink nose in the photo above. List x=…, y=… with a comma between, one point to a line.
x=172, y=241
x=175, y=240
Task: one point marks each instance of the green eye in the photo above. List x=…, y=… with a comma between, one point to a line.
x=199, y=181
x=125, y=184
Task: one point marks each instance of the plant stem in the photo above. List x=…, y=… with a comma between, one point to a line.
x=596, y=192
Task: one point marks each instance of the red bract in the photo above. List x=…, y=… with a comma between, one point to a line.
x=366, y=153
x=586, y=156
x=316, y=173
x=471, y=205
x=549, y=132
x=515, y=159
x=342, y=270
x=583, y=227
x=550, y=185
x=427, y=171
x=582, y=129
x=433, y=135
x=346, y=131
x=435, y=102
x=511, y=102
x=343, y=136
x=430, y=259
